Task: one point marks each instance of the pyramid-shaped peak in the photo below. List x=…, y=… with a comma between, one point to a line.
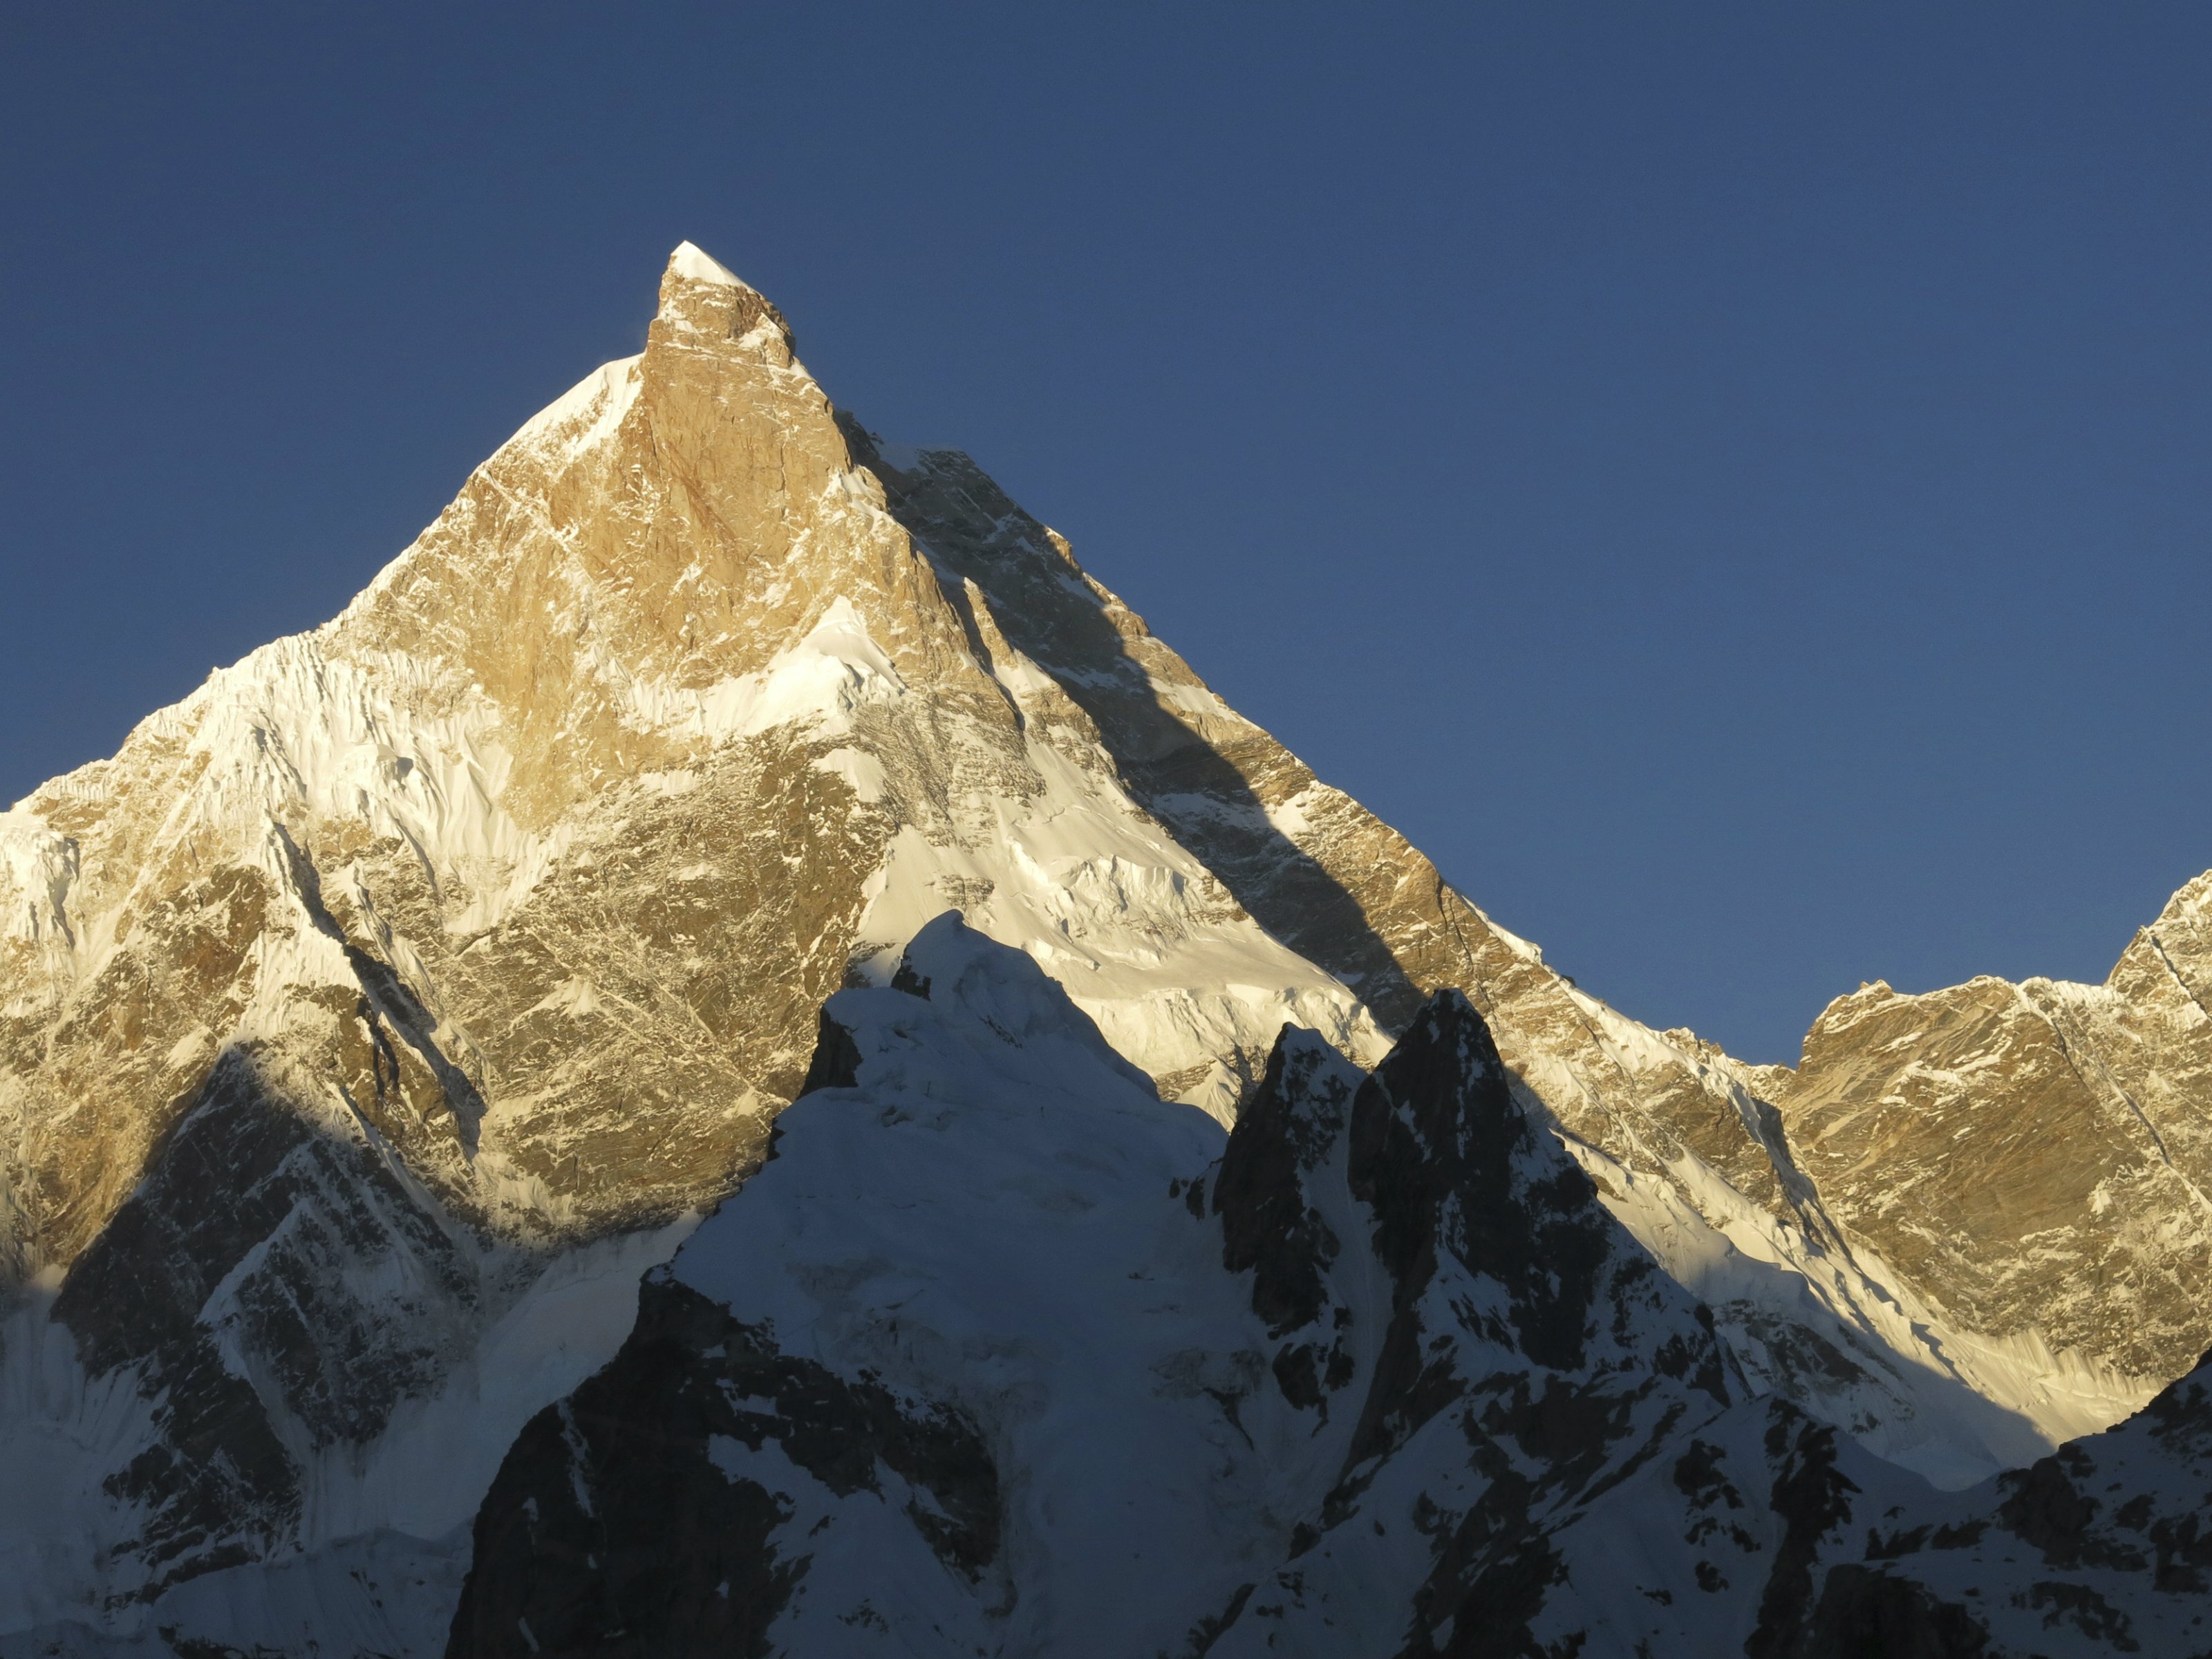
x=700, y=297
x=695, y=263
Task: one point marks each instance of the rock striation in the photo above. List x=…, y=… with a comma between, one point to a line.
x=2085, y=1113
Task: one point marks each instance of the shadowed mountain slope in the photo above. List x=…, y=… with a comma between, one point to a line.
x=1000, y=1354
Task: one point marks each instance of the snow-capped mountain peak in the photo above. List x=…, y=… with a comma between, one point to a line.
x=378, y=1011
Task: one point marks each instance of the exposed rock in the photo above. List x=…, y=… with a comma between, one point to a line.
x=2082, y=1112
x=614, y=1527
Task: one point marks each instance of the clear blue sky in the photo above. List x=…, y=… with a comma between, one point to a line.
x=1731, y=483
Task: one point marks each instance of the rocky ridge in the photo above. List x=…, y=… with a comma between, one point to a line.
x=2082, y=1110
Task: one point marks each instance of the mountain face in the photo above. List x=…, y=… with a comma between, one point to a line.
x=994, y=1336
x=2082, y=1110
x=379, y=1013
x=998, y=1354
x=1762, y=1533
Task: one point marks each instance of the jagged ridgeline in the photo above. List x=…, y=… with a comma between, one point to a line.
x=1000, y=1354
x=379, y=1013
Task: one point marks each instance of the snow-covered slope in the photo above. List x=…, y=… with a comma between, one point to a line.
x=1684, y=1140
x=1000, y=1355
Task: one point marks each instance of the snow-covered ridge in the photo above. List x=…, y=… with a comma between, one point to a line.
x=584, y=416
x=984, y=1263
x=1033, y=1312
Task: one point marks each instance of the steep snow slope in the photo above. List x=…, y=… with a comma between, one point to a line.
x=988, y=1358
x=2102, y=1549
x=1696, y=1162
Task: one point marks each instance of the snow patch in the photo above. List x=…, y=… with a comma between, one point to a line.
x=693, y=265
x=38, y=867
x=583, y=417
x=823, y=678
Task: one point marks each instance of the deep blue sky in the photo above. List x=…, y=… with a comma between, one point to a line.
x=1731, y=484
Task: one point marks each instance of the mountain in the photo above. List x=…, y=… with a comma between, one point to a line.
x=998, y=1354
x=995, y=1338
x=2082, y=1111
x=379, y=1013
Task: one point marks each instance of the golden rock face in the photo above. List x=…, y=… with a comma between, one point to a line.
x=609, y=1047
x=682, y=549
x=2041, y=1152
x=493, y=918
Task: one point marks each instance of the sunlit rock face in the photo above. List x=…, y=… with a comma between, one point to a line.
x=2042, y=1151
x=379, y=1011
x=1000, y=1353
